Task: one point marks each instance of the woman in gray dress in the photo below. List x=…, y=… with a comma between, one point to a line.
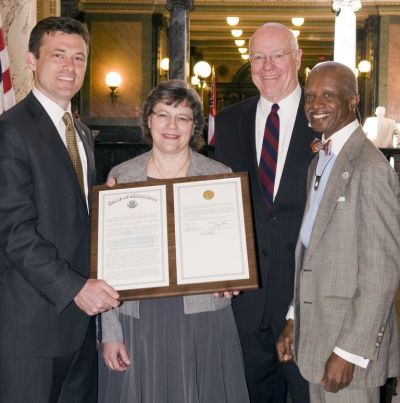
x=177, y=349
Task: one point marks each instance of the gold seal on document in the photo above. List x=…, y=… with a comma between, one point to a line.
x=208, y=194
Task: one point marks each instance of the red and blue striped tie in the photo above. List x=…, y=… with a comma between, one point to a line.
x=269, y=155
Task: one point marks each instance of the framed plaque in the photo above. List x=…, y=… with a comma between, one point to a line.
x=191, y=235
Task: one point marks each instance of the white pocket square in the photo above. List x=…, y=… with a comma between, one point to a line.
x=341, y=199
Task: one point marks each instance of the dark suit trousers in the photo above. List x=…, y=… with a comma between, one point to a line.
x=68, y=379
x=268, y=381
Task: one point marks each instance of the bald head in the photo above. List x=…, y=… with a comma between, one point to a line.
x=274, y=28
x=345, y=76
x=275, y=61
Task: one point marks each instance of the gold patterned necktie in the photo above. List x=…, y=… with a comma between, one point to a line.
x=72, y=148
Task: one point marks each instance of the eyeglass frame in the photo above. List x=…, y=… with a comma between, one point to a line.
x=281, y=56
x=168, y=116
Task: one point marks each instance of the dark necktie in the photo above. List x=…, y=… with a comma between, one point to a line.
x=269, y=155
x=72, y=148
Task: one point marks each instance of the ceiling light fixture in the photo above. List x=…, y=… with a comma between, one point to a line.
x=296, y=32
x=297, y=21
x=237, y=32
x=232, y=21
x=239, y=42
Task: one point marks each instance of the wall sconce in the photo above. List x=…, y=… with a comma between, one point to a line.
x=113, y=81
x=364, y=66
x=164, y=66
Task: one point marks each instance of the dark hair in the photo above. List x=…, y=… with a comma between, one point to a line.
x=175, y=92
x=51, y=25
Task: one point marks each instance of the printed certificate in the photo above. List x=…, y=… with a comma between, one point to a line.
x=184, y=236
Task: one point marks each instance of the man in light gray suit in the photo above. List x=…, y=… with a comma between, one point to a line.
x=341, y=326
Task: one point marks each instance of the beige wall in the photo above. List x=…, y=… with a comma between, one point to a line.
x=124, y=47
x=389, y=67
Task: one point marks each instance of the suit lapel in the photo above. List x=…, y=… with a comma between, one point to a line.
x=50, y=135
x=338, y=180
x=87, y=142
x=249, y=151
x=248, y=130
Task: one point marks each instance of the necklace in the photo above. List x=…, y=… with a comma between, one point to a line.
x=176, y=174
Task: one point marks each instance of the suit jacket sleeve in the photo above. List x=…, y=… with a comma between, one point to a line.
x=378, y=262
x=25, y=247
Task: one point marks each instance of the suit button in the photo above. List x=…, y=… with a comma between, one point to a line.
x=271, y=218
x=376, y=345
x=264, y=252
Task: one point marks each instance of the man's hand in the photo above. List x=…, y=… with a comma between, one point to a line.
x=96, y=296
x=116, y=356
x=284, y=344
x=338, y=374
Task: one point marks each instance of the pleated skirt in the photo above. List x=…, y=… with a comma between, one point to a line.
x=177, y=358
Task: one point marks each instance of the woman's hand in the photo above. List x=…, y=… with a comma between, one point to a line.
x=226, y=294
x=115, y=356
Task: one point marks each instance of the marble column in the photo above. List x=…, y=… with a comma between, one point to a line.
x=345, y=31
x=179, y=40
x=18, y=17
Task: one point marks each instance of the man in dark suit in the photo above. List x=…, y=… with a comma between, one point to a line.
x=47, y=335
x=260, y=315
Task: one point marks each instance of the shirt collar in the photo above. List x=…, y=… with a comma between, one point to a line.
x=53, y=109
x=290, y=103
x=339, y=138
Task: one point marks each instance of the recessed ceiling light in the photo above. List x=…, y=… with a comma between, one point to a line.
x=237, y=32
x=232, y=21
x=298, y=21
x=239, y=42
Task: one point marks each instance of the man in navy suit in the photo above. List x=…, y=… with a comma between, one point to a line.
x=47, y=332
x=260, y=314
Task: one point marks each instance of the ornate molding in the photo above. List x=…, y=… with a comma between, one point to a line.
x=354, y=5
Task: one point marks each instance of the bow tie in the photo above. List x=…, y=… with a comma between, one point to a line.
x=318, y=145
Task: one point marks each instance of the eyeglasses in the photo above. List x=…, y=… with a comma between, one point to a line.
x=276, y=58
x=164, y=118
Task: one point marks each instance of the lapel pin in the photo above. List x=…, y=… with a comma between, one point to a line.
x=345, y=175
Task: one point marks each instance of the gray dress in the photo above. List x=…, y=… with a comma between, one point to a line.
x=183, y=349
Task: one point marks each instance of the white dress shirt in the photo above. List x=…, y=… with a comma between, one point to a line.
x=287, y=116
x=56, y=113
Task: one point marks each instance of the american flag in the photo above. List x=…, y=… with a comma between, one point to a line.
x=7, y=97
x=212, y=109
